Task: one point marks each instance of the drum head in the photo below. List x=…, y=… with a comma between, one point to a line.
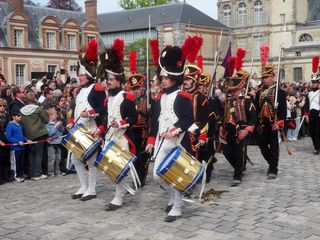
x=75, y=128
x=168, y=160
x=96, y=145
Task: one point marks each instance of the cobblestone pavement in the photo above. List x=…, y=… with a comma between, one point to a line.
x=285, y=208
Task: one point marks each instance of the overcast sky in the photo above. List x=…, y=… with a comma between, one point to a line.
x=209, y=7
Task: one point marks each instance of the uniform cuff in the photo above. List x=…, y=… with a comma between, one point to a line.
x=71, y=121
x=101, y=128
x=151, y=140
x=203, y=136
x=281, y=123
x=92, y=111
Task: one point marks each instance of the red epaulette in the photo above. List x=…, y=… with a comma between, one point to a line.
x=129, y=97
x=185, y=94
x=158, y=96
x=99, y=87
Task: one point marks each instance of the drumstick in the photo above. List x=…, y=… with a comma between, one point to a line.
x=158, y=150
x=79, y=116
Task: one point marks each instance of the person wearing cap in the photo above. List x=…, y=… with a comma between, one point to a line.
x=88, y=110
x=312, y=109
x=270, y=118
x=240, y=118
x=136, y=85
x=174, y=113
x=121, y=112
x=199, y=135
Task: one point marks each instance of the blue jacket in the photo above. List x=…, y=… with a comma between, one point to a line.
x=14, y=134
x=54, y=132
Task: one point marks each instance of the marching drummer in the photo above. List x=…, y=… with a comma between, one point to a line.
x=121, y=112
x=174, y=118
x=89, y=111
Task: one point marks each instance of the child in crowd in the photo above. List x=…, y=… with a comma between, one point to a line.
x=55, y=130
x=15, y=136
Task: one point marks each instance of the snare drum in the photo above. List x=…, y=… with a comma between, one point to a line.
x=180, y=169
x=81, y=143
x=114, y=161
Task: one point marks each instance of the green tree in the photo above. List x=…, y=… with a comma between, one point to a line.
x=70, y=5
x=132, y=4
x=141, y=48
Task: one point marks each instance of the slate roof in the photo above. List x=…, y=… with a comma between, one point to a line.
x=35, y=14
x=136, y=19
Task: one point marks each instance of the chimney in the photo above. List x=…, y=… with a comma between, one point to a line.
x=17, y=5
x=91, y=10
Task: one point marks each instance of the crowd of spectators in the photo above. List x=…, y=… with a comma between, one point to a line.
x=33, y=120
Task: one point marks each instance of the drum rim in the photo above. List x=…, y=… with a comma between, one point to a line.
x=72, y=130
x=125, y=170
x=196, y=178
x=162, y=171
x=106, y=148
x=99, y=141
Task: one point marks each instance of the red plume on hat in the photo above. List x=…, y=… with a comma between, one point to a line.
x=231, y=65
x=200, y=62
x=92, y=50
x=118, y=47
x=155, y=51
x=186, y=48
x=133, y=61
x=197, y=44
x=264, y=52
x=241, y=53
x=315, y=64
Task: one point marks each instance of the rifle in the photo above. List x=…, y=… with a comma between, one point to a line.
x=276, y=101
x=215, y=66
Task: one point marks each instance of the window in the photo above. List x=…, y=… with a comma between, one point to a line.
x=227, y=15
x=89, y=38
x=71, y=42
x=51, y=40
x=258, y=12
x=18, y=38
x=52, y=69
x=242, y=43
x=306, y=37
x=242, y=14
x=73, y=68
x=298, y=54
x=258, y=42
x=20, y=74
x=297, y=74
x=282, y=19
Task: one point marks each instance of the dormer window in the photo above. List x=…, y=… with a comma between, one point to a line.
x=18, y=38
x=90, y=37
x=51, y=40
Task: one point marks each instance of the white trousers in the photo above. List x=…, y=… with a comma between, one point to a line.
x=87, y=179
x=175, y=195
x=120, y=190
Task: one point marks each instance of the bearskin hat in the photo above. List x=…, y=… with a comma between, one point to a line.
x=112, y=60
x=88, y=60
x=170, y=64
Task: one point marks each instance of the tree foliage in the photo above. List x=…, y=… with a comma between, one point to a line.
x=132, y=4
x=141, y=48
x=70, y=5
